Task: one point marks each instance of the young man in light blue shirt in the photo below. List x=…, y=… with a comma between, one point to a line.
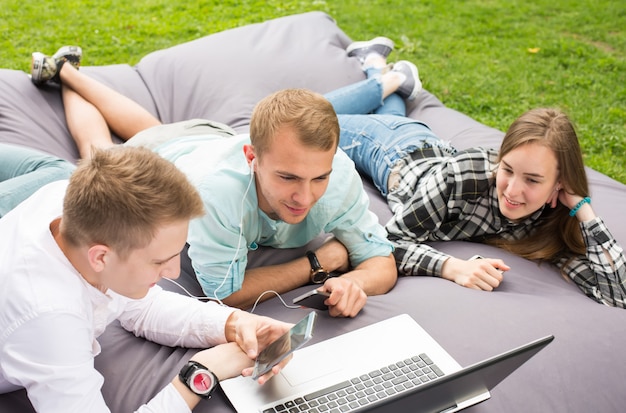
x=283, y=195
x=281, y=187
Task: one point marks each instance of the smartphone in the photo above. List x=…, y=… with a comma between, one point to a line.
x=480, y=257
x=289, y=342
x=312, y=299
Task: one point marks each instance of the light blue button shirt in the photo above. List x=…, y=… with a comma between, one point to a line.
x=219, y=241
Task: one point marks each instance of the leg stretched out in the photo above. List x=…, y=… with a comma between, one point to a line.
x=92, y=109
x=24, y=170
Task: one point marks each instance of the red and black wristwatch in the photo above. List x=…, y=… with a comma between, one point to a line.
x=198, y=379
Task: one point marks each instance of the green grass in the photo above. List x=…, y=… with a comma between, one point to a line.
x=490, y=59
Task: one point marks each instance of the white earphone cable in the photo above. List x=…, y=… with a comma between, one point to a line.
x=215, y=298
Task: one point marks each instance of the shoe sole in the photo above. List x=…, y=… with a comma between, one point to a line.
x=36, y=66
x=68, y=50
x=382, y=41
x=73, y=55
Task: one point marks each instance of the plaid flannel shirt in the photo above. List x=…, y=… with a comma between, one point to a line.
x=444, y=197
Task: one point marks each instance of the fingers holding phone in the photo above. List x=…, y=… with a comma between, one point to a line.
x=277, y=354
x=340, y=296
x=347, y=298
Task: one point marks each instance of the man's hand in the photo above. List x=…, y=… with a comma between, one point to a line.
x=480, y=274
x=349, y=292
x=347, y=297
x=253, y=333
x=225, y=360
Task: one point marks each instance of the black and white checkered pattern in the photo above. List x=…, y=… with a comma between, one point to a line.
x=443, y=197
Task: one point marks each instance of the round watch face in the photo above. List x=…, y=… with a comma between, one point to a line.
x=319, y=276
x=202, y=382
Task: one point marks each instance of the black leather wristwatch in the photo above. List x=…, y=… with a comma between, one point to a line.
x=198, y=379
x=318, y=274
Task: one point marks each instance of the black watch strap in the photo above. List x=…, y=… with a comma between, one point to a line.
x=315, y=264
x=318, y=274
x=195, y=376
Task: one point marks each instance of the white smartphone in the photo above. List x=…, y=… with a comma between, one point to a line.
x=480, y=257
x=286, y=344
x=312, y=299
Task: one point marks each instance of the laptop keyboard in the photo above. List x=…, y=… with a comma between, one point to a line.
x=368, y=388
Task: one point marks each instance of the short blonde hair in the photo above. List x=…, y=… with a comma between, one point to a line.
x=310, y=114
x=122, y=196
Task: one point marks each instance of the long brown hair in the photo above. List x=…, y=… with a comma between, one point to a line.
x=557, y=235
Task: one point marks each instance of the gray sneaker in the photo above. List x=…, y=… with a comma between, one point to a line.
x=70, y=54
x=381, y=45
x=412, y=84
x=46, y=68
x=42, y=68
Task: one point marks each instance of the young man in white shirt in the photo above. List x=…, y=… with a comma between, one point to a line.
x=78, y=254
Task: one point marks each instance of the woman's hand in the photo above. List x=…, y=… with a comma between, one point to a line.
x=480, y=274
x=570, y=200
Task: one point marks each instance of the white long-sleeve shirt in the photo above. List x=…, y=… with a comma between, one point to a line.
x=51, y=317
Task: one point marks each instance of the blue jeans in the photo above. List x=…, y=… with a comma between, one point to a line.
x=366, y=97
x=376, y=133
x=23, y=171
x=376, y=143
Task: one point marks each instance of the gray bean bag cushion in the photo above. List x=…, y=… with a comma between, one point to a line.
x=221, y=77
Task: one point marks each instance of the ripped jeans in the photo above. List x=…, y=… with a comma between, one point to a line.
x=376, y=143
x=376, y=133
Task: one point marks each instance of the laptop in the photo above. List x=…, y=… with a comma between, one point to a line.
x=392, y=364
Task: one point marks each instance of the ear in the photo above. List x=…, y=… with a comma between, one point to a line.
x=554, y=197
x=248, y=152
x=98, y=256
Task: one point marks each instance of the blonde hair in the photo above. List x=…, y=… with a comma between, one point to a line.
x=310, y=114
x=557, y=235
x=122, y=196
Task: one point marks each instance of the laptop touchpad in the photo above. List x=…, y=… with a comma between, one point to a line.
x=314, y=365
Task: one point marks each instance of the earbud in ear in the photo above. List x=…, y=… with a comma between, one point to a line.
x=252, y=165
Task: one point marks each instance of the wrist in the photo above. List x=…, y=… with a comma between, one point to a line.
x=318, y=274
x=579, y=205
x=195, y=382
x=333, y=256
x=230, y=328
x=448, y=268
x=585, y=213
x=189, y=397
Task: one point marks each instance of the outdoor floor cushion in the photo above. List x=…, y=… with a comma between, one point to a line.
x=221, y=77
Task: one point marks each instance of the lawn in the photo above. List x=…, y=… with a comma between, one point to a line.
x=490, y=59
